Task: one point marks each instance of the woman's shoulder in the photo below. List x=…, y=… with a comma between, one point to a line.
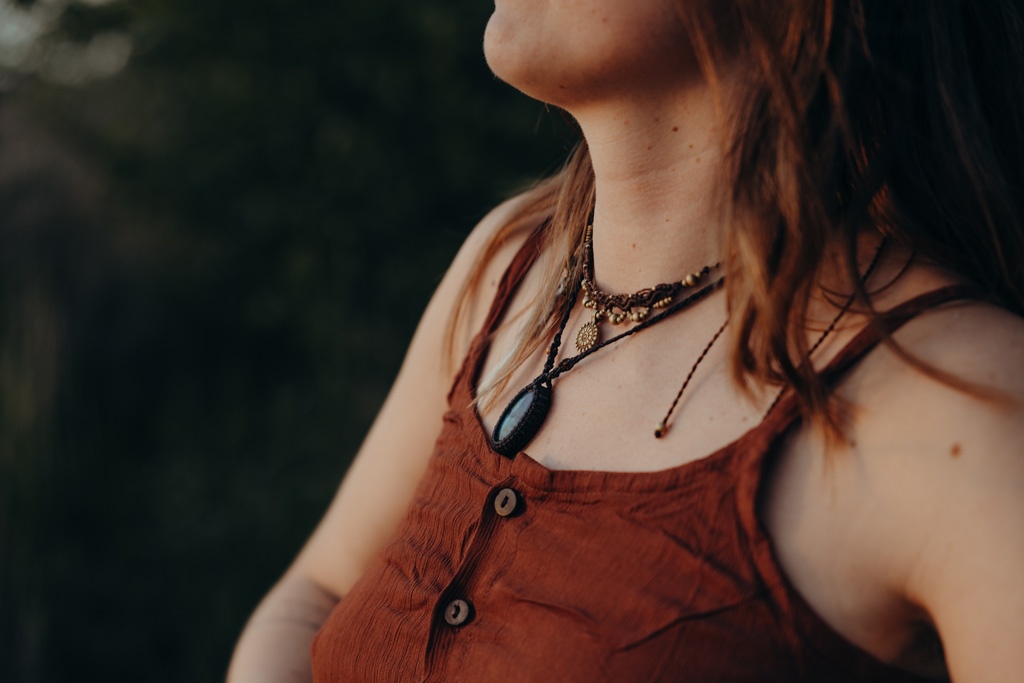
x=498, y=236
x=959, y=437
x=967, y=340
x=494, y=222
x=952, y=383
x=979, y=348
x=472, y=280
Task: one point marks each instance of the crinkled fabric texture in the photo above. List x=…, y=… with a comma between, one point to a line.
x=596, y=576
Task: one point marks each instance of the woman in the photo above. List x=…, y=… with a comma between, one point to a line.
x=815, y=474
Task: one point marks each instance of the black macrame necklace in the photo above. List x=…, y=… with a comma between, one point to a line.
x=525, y=413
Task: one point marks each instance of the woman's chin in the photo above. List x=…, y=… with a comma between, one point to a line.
x=544, y=60
x=501, y=53
x=517, y=63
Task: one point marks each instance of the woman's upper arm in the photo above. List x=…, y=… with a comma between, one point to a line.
x=969, y=577
x=966, y=493
x=379, y=485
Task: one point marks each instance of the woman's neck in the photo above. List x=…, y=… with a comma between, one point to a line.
x=658, y=168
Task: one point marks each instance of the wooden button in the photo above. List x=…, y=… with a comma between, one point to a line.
x=457, y=612
x=505, y=502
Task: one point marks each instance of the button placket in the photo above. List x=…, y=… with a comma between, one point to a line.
x=455, y=609
x=458, y=610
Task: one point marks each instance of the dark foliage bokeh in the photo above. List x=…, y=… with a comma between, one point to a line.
x=210, y=265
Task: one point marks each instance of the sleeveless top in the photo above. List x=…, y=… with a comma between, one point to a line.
x=505, y=570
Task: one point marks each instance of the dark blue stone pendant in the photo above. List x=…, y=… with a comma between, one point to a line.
x=521, y=419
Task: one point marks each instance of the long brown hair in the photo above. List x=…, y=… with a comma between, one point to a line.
x=905, y=117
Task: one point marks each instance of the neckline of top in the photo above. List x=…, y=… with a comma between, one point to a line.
x=553, y=480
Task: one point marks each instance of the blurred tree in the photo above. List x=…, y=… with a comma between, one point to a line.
x=212, y=262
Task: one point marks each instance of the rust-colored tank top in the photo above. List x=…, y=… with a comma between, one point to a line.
x=504, y=570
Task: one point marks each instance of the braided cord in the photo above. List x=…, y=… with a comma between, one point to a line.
x=662, y=427
x=546, y=376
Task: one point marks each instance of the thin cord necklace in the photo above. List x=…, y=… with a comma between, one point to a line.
x=662, y=429
x=525, y=413
x=620, y=308
x=835, y=321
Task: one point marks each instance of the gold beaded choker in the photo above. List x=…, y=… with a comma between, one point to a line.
x=621, y=308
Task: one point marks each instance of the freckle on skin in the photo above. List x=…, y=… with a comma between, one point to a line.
x=698, y=160
x=955, y=450
x=675, y=129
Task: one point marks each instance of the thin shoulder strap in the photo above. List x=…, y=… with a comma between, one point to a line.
x=507, y=285
x=786, y=407
x=890, y=321
x=510, y=280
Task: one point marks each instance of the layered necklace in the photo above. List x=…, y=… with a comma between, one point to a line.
x=525, y=413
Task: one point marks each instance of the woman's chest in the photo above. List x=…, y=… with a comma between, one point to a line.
x=491, y=572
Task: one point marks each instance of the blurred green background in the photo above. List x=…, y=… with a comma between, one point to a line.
x=219, y=223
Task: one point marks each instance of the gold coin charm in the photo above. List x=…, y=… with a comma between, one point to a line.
x=587, y=337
